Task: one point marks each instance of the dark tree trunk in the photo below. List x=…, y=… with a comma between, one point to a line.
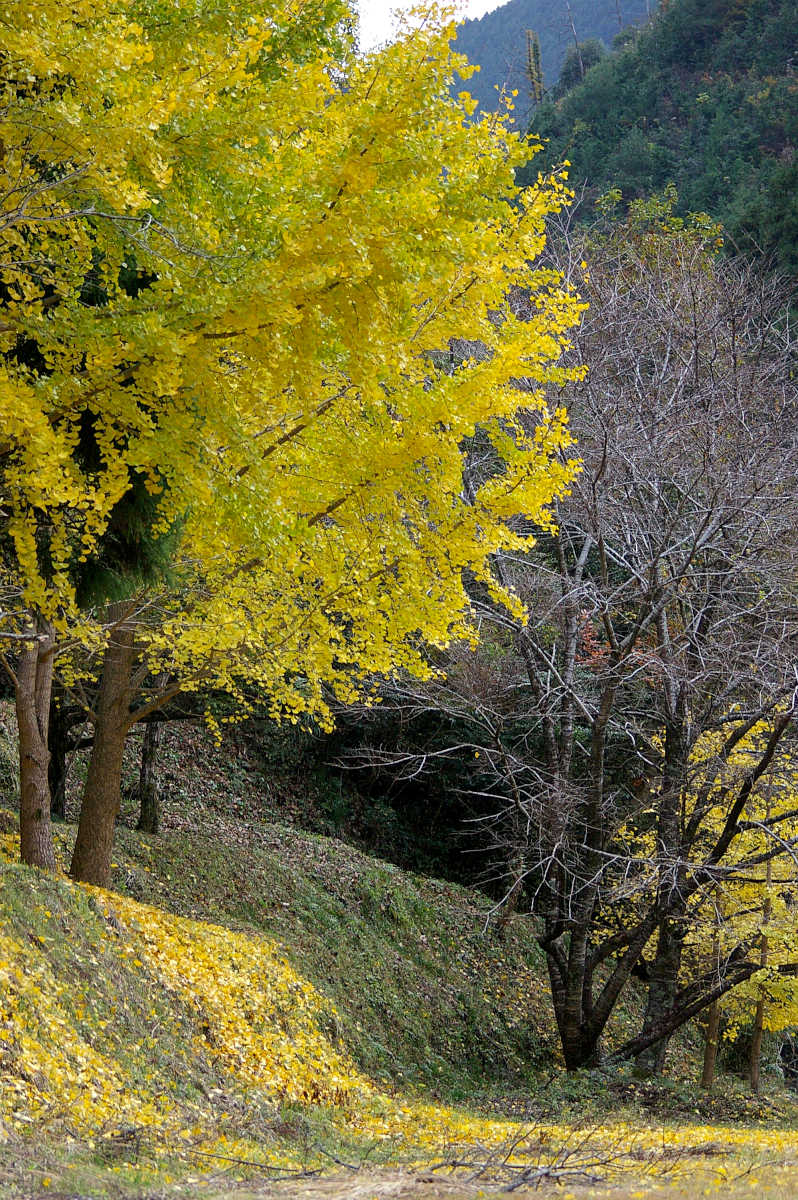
x=34, y=682
x=60, y=744
x=571, y=978
x=91, y=860
x=672, y=890
x=580, y=1044
x=662, y=989
x=579, y=1047
x=711, y=1045
x=149, y=796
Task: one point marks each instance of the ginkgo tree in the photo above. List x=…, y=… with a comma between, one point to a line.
x=229, y=249
x=746, y=916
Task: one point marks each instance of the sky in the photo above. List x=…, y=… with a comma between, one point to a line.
x=377, y=24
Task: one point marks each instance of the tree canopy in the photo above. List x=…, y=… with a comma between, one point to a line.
x=231, y=249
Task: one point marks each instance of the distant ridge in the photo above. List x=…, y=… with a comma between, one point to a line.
x=706, y=99
x=497, y=41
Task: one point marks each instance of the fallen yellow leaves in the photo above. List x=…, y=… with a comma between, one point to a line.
x=261, y=1021
x=89, y=1054
x=253, y=1022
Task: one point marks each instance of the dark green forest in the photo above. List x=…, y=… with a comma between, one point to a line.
x=705, y=98
x=497, y=41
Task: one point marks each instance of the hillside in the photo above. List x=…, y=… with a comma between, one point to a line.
x=296, y=1008
x=267, y=1002
x=139, y=1044
x=707, y=99
x=497, y=41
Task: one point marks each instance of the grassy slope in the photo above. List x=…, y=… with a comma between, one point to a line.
x=428, y=996
x=140, y=1044
x=425, y=996
x=137, y=1046
x=328, y=982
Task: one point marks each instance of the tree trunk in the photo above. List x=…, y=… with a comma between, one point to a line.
x=59, y=745
x=91, y=860
x=759, y=1015
x=570, y=976
x=756, y=1046
x=149, y=797
x=33, y=688
x=576, y=41
x=662, y=988
x=664, y=981
x=711, y=1045
x=713, y=1016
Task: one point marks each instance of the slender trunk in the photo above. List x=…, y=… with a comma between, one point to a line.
x=33, y=688
x=756, y=1046
x=91, y=860
x=711, y=1045
x=759, y=1015
x=149, y=797
x=59, y=745
x=713, y=1015
x=576, y=41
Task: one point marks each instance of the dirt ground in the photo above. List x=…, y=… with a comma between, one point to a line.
x=773, y=1183
x=397, y=1185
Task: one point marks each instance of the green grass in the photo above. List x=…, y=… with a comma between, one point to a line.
x=428, y=996
x=429, y=999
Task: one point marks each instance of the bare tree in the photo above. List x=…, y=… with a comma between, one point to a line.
x=661, y=610
x=576, y=40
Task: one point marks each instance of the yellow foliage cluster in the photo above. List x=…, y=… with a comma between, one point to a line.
x=305, y=229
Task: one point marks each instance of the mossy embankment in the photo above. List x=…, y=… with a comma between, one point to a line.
x=427, y=996
x=141, y=1040
x=270, y=1003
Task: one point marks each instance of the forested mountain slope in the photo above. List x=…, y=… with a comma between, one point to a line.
x=497, y=41
x=706, y=98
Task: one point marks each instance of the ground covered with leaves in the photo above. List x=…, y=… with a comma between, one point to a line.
x=255, y=1010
